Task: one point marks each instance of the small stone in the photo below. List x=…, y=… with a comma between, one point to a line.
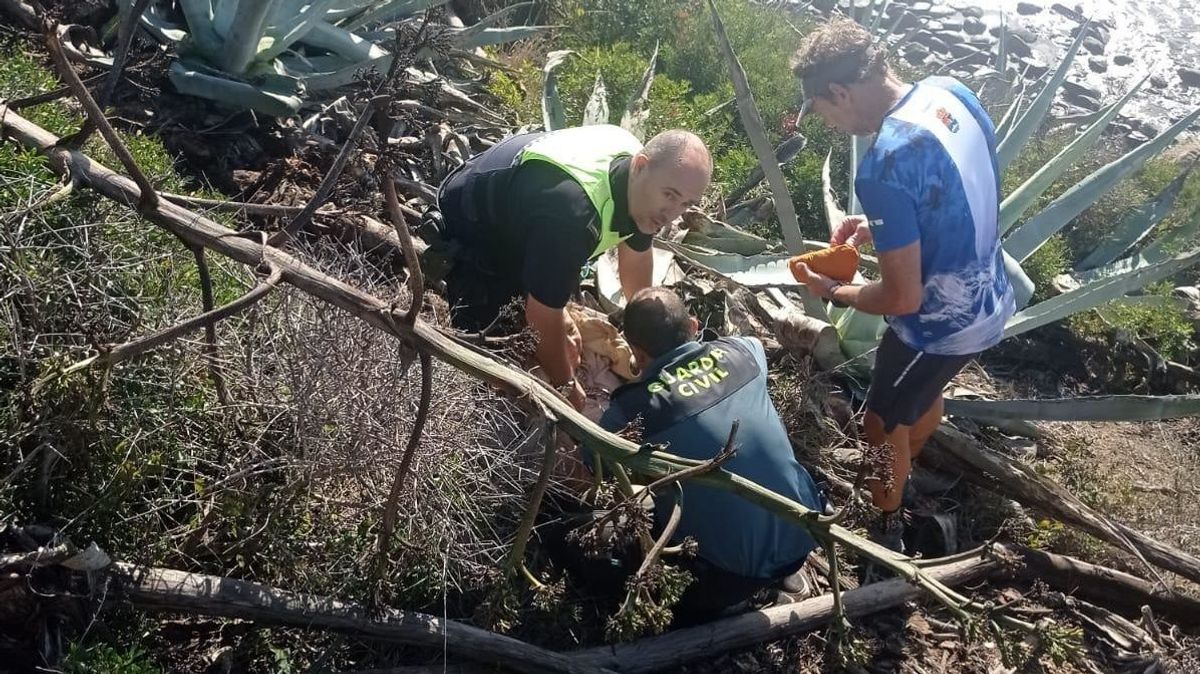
x=934, y=26
x=1137, y=137
x=973, y=26
x=1081, y=89
x=1035, y=66
x=921, y=6
x=953, y=23
x=932, y=41
x=1090, y=103
x=916, y=53
x=906, y=23
x=1028, y=8
x=1190, y=77
x=1158, y=81
x=1093, y=45
x=1068, y=12
x=1018, y=48
x=1023, y=34
x=1098, y=64
x=972, y=12
x=1122, y=60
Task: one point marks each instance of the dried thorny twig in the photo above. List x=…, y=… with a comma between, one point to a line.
x=111, y=355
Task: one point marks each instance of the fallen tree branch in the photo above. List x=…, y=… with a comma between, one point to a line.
x=693, y=644
x=954, y=450
x=50, y=96
x=1096, y=583
x=179, y=591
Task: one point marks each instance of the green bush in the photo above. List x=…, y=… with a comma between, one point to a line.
x=1164, y=325
x=1049, y=261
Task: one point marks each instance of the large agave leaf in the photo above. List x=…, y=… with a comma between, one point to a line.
x=638, y=110
x=1015, y=204
x=295, y=28
x=1137, y=225
x=271, y=98
x=596, y=110
x=156, y=22
x=342, y=42
x=789, y=224
x=756, y=271
x=1030, y=236
x=1016, y=138
x=608, y=279
x=1023, y=287
x=1090, y=408
x=389, y=11
x=704, y=232
x=554, y=116
x=858, y=149
x=199, y=17
x=461, y=37
x=1098, y=292
x=1002, y=46
x=1181, y=238
x=245, y=35
x=1010, y=116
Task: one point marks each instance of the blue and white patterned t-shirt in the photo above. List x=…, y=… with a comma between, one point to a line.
x=931, y=176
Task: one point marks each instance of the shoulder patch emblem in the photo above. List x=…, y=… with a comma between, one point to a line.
x=946, y=118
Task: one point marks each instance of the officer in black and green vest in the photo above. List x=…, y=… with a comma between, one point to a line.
x=530, y=212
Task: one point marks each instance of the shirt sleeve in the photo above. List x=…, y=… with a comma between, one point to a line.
x=891, y=214
x=561, y=231
x=640, y=241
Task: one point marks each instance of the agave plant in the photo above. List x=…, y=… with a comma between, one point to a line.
x=274, y=55
x=1101, y=277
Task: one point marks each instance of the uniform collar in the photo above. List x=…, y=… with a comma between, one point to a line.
x=618, y=180
x=681, y=351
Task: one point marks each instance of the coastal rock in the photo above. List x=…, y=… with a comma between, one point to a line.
x=1028, y=8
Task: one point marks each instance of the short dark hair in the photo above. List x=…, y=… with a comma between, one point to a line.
x=839, y=52
x=657, y=321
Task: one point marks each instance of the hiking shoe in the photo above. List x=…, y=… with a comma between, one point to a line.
x=888, y=532
x=796, y=585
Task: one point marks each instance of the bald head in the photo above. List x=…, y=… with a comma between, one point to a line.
x=667, y=177
x=676, y=147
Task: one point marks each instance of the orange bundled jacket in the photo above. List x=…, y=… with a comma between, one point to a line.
x=837, y=262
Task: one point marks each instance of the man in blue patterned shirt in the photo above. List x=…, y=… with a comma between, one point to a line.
x=930, y=191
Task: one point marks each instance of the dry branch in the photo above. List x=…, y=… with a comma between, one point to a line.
x=550, y=452
x=170, y=590
x=1110, y=587
x=698, y=643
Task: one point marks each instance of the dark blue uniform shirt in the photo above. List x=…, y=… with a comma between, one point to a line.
x=688, y=399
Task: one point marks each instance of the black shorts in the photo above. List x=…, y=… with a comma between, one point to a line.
x=905, y=381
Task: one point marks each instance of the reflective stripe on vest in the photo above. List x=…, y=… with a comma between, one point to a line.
x=586, y=153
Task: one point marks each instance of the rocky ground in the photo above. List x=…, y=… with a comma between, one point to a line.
x=1126, y=41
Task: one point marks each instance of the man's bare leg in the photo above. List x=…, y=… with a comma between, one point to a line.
x=925, y=426
x=888, y=500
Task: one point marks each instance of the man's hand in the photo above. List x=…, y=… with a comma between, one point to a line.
x=819, y=285
x=853, y=230
x=576, y=396
x=574, y=341
x=635, y=269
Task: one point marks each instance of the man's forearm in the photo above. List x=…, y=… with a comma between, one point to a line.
x=636, y=270
x=552, y=353
x=869, y=298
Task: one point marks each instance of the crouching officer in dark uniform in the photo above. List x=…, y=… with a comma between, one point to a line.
x=528, y=213
x=688, y=397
